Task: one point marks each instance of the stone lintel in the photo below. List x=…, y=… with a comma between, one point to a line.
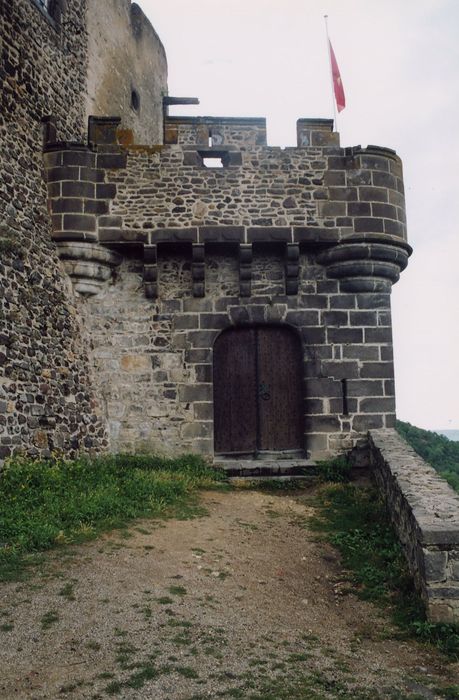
x=303, y=235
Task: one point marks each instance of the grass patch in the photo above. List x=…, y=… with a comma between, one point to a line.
x=177, y=590
x=337, y=470
x=49, y=619
x=47, y=503
x=356, y=522
x=6, y=627
x=67, y=591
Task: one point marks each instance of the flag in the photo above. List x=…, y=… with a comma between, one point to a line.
x=337, y=82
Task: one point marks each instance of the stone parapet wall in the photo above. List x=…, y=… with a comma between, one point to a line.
x=425, y=512
x=215, y=131
x=352, y=190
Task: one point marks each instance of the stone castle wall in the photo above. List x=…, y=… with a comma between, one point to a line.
x=154, y=358
x=127, y=68
x=47, y=397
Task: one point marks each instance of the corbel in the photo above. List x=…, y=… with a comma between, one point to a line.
x=245, y=269
x=292, y=268
x=198, y=270
x=150, y=271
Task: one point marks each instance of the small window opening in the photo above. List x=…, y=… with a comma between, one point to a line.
x=210, y=143
x=135, y=100
x=344, y=394
x=213, y=162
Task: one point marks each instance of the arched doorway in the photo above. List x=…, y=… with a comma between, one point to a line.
x=258, y=390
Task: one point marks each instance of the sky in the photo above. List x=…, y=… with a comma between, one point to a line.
x=399, y=62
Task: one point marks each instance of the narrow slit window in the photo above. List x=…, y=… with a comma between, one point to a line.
x=135, y=100
x=344, y=395
x=210, y=143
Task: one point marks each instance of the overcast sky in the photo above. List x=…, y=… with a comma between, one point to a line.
x=399, y=61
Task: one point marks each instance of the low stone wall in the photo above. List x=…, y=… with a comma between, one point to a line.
x=425, y=512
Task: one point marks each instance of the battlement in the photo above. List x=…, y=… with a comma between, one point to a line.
x=215, y=131
x=119, y=196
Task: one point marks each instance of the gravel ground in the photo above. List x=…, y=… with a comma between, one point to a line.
x=244, y=602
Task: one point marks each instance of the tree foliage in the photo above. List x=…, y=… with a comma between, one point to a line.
x=441, y=453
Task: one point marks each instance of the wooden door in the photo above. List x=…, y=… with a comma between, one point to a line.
x=258, y=390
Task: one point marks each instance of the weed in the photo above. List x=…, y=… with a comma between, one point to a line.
x=6, y=627
x=271, y=513
x=164, y=600
x=337, y=470
x=147, y=672
x=70, y=687
x=248, y=526
x=451, y=692
x=94, y=646
x=177, y=590
x=186, y=672
x=67, y=591
x=113, y=688
x=49, y=619
x=179, y=623
x=147, y=612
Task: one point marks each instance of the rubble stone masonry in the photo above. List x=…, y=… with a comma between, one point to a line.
x=47, y=399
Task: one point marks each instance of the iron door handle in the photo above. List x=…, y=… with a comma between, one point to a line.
x=263, y=392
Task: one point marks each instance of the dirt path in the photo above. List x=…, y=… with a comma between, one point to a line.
x=242, y=603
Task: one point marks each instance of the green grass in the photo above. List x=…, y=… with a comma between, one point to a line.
x=47, y=503
x=49, y=618
x=356, y=522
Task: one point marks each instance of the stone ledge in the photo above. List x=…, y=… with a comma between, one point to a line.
x=425, y=512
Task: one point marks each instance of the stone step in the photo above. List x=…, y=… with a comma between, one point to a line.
x=244, y=481
x=266, y=467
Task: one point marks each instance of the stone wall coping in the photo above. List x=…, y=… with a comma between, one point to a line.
x=433, y=502
x=377, y=238
x=311, y=121
x=246, y=121
x=67, y=146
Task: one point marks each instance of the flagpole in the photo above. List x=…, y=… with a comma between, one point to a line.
x=335, y=116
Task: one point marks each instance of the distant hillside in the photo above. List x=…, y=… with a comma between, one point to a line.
x=441, y=453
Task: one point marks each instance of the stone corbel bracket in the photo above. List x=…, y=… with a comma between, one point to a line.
x=366, y=262
x=88, y=265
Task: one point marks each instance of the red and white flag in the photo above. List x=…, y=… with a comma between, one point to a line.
x=337, y=82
